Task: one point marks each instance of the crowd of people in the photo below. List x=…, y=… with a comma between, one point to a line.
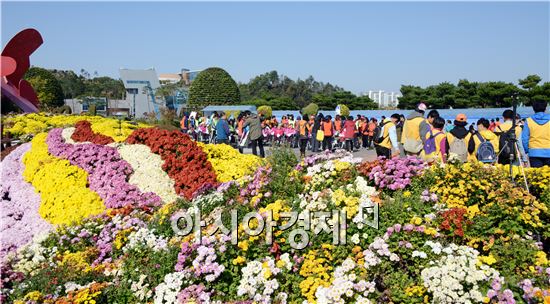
x=430, y=137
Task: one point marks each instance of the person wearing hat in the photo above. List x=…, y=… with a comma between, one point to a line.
x=457, y=140
x=415, y=129
x=222, y=130
x=389, y=140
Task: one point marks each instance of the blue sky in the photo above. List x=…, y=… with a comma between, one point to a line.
x=358, y=46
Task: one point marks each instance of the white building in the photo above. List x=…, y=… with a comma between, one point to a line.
x=140, y=86
x=186, y=75
x=384, y=99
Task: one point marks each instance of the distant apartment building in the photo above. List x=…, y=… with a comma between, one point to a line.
x=384, y=99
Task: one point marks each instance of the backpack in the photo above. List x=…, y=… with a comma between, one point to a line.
x=459, y=149
x=377, y=137
x=485, y=152
x=503, y=145
x=429, y=144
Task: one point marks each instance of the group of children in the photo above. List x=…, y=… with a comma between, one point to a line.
x=431, y=138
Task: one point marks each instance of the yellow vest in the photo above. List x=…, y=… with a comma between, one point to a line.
x=386, y=143
x=539, y=137
x=487, y=135
x=507, y=126
x=411, y=129
x=436, y=155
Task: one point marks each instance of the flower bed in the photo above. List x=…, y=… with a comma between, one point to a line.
x=184, y=161
x=65, y=197
x=83, y=133
x=21, y=126
x=228, y=163
x=108, y=172
x=20, y=220
x=450, y=234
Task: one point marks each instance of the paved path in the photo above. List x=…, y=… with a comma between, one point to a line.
x=364, y=154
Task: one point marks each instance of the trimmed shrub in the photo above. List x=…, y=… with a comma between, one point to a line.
x=310, y=109
x=266, y=111
x=344, y=110
x=214, y=86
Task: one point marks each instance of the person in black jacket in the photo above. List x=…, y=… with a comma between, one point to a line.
x=316, y=126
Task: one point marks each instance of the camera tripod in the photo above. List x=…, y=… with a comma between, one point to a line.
x=511, y=141
x=514, y=156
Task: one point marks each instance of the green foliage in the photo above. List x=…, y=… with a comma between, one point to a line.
x=48, y=89
x=214, y=86
x=283, y=93
x=344, y=110
x=266, y=111
x=466, y=94
x=282, y=161
x=92, y=110
x=311, y=109
x=63, y=110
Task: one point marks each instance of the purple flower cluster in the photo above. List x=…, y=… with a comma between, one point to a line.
x=530, y=292
x=323, y=156
x=204, y=263
x=20, y=220
x=108, y=235
x=108, y=173
x=254, y=186
x=194, y=294
x=426, y=196
x=496, y=293
x=396, y=173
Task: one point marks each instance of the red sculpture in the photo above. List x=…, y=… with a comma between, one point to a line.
x=15, y=63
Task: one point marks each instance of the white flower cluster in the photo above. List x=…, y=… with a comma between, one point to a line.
x=32, y=255
x=72, y=286
x=167, y=291
x=208, y=200
x=454, y=277
x=148, y=175
x=145, y=237
x=345, y=286
x=285, y=260
x=365, y=202
x=259, y=283
x=141, y=291
x=315, y=201
x=67, y=133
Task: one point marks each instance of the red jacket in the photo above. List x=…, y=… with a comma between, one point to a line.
x=349, y=129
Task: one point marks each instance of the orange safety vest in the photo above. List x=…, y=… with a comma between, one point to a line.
x=304, y=128
x=327, y=128
x=338, y=125
x=364, y=128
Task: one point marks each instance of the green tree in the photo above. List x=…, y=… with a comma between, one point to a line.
x=530, y=85
x=46, y=86
x=104, y=87
x=72, y=84
x=214, y=86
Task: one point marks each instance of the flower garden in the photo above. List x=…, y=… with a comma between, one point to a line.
x=90, y=210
